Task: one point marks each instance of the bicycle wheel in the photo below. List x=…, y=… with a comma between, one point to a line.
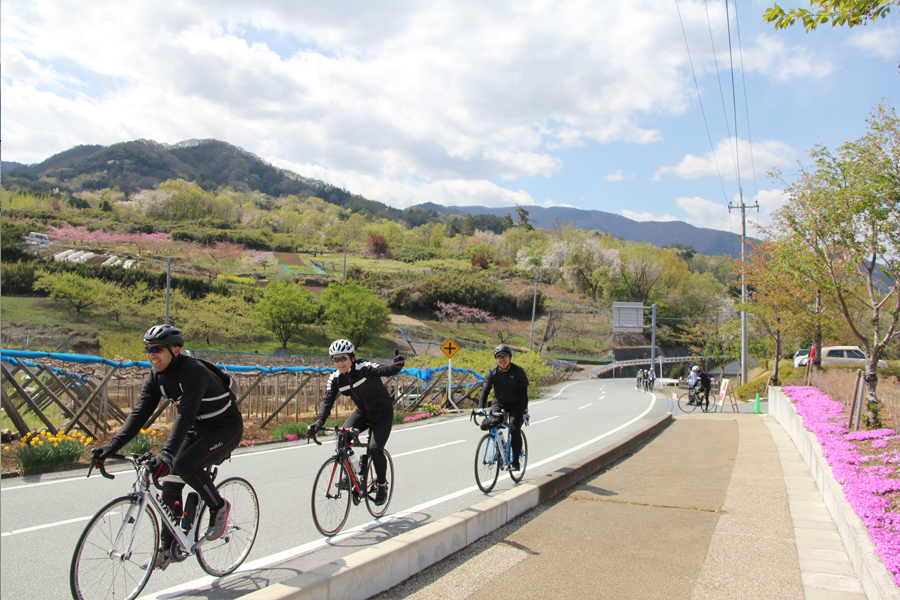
x=523, y=461
x=683, y=403
x=369, y=485
x=487, y=463
x=330, y=504
x=224, y=555
x=115, y=555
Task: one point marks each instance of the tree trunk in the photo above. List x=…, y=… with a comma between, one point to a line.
x=873, y=406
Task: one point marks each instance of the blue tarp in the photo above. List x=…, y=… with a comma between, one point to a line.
x=11, y=356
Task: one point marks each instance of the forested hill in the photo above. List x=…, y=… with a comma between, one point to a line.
x=144, y=164
x=659, y=233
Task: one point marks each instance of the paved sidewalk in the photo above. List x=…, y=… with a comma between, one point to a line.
x=716, y=506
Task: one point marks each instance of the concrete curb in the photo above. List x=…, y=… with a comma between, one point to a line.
x=384, y=565
x=876, y=580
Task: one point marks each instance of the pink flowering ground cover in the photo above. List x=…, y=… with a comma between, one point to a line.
x=863, y=462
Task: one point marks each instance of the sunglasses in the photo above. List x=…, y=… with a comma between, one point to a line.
x=339, y=359
x=154, y=349
x=501, y=356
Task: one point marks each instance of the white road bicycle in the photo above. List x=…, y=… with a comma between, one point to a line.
x=115, y=555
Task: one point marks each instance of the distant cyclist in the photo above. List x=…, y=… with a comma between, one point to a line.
x=699, y=381
x=640, y=379
x=510, y=385
x=361, y=380
x=207, y=427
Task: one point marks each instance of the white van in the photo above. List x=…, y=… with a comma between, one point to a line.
x=37, y=239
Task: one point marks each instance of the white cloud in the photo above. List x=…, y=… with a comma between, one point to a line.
x=882, y=42
x=646, y=216
x=619, y=175
x=770, y=55
x=705, y=213
x=765, y=155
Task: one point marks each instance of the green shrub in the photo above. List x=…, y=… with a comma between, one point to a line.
x=749, y=391
x=398, y=417
x=282, y=430
x=18, y=277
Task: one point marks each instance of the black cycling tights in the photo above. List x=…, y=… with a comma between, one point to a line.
x=516, y=421
x=204, y=446
x=378, y=437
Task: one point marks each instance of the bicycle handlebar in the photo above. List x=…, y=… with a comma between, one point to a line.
x=353, y=431
x=101, y=464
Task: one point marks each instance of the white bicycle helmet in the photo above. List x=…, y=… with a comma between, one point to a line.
x=695, y=368
x=340, y=347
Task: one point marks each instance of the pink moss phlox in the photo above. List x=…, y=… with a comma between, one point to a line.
x=870, y=435
x=870, y=489
x=291, y=437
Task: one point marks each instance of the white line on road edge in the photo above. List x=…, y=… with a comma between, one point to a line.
x=586, y=405
x=545, y=420
x=427, y=449
x=37, y=527
x=267, y=561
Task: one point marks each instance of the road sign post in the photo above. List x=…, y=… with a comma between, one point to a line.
x=450, y=348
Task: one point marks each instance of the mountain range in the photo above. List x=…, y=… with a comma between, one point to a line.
x=143, y=164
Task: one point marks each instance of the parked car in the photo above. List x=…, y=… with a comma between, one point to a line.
x=37, y=239
x=800, y=357
x=840, y=356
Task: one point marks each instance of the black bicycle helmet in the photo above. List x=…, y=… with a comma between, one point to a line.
x=501, y=349
x=164, y=335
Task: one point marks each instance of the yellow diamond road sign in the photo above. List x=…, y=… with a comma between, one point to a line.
x=450, y=348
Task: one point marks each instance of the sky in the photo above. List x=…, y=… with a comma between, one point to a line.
x=650, y=109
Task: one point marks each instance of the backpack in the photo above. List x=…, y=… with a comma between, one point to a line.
x=227, y=379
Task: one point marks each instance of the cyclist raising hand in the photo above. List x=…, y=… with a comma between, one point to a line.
x=361, y=380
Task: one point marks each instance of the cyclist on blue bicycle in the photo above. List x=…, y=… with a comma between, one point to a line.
x=361, y=380
x=510, y=385
x=207, y=427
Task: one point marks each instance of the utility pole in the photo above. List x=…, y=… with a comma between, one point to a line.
x=653, y=343
x=344, y=276
x=168, y=285
x=744, y=352
x=533, y=309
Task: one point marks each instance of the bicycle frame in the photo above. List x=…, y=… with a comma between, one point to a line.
x=347, y=440
x=505, y=444
x=141, y=490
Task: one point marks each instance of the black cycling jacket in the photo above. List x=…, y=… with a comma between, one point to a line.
x=364, y=386
x=510, y=388
x=189, y=385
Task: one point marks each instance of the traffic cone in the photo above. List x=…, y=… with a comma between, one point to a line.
x=756, y=409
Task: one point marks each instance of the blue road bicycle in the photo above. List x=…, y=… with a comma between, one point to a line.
x=494, y=452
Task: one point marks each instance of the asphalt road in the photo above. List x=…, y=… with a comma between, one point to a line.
x=42, y=517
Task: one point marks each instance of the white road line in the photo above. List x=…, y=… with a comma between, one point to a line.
x=48, y=525
x=586, y=405
x=545, y=420
x=427, y=449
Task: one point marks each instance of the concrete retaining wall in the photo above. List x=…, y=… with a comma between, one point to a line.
x=876, y=581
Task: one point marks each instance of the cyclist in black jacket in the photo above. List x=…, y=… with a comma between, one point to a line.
x=510, y=385
x=207, y=427
x=361, y=380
